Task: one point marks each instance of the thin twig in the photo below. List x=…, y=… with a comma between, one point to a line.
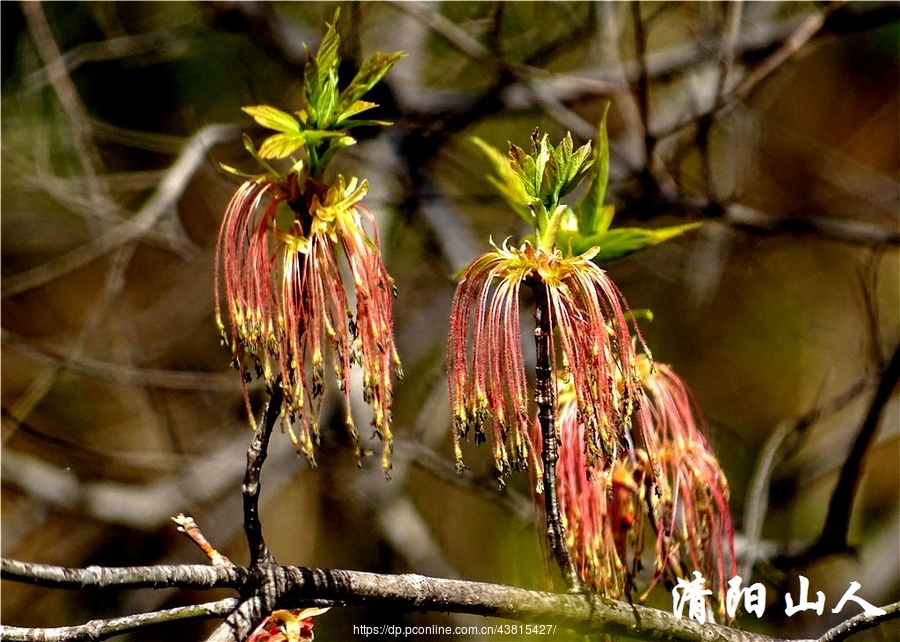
x=725, y=62
x=105, y=629
x=121, y=373
x=859, y=623
x=785, y=52
x=68, y=97
x=778, y=446
x=800, y=37
x=163, y=199
x=189, y=527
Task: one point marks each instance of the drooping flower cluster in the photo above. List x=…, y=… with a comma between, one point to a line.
x=692, y=510
x=672, y=478
x=596, y=354
x=287, y=305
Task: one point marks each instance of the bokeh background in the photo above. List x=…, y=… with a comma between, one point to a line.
x=776, y=124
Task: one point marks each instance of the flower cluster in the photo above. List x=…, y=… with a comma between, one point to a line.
x=287, y=303
x=673, y=477
x=278, y=251
x=284, y=625
x=596, y=352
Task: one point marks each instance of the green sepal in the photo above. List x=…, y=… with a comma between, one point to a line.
x=251, y=149
x=645, y=314
x=236, y=172
x=335, y=146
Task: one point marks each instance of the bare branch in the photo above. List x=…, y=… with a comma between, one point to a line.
x=859, y=623
x=409, y=592
x=105, y=629
x=68, y=96
x=791, y=46
x=256, y=457
x=579, y=612
x=125, y=374
x=778, y=446
x=193, y=576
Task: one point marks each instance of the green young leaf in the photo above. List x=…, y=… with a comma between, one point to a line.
x=619, y=243
x=564, y=170
x=273, y=118
x=328, y=58
x=580, y=163
x=508, y=181
x=335, y=146
x=372, y=70
x=282, y=145
x=541, y=157
x=321, y=97
x=321, y=78
x=350, y=124
x=356, y=108
x=593, y=217
x=522, y=165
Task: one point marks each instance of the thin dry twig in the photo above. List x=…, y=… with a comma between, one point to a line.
x=189, y=527
x=122, y=373
x=162, y=201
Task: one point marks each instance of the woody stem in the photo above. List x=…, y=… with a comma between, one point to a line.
x=256, y=456
x=545, y=398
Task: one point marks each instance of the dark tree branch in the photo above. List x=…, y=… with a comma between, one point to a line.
x=837, y=522
x=752, y=221
x=780, y=445
x=256, y=457
x=642, y=88
x=262, y=591
x=578, y=612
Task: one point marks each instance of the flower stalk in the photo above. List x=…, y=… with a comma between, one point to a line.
x=545, y=398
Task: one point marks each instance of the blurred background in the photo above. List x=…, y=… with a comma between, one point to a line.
x=776, y=124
